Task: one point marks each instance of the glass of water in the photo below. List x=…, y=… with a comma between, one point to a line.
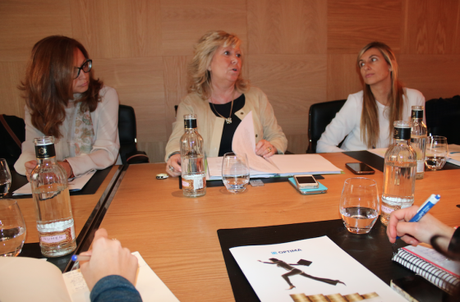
x=359, y=204
x=5, y=177
x=12, y=228
x=235, y=172
x=436, y=152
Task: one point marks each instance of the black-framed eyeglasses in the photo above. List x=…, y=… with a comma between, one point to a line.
x=86, y=67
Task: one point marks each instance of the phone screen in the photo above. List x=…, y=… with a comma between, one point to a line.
x=306, y=180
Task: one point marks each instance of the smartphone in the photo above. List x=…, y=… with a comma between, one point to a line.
x=305, y=181
x=321, y=189
x=360, y=168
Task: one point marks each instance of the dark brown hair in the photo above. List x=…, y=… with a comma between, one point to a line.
x=48, y=83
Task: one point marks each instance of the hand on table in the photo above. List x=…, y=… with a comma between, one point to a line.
x=417, y=232
x=173, y=167
x=265, y=149
x=108, y=258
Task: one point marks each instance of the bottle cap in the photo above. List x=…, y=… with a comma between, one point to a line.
x=402, y=129
x=190, y=121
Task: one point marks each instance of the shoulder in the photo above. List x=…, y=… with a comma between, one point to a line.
x=107, y=92
x=255, y=92
x=413, y=93
x=193, y=99
x=354, y=100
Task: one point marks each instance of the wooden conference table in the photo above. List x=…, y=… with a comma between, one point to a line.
x=177, y=236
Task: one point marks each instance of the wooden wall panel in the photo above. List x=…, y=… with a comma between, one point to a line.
x=25, y=22
x=435, y=76
x=432, y=27
x=287, y=27
x=299, y=52
x=11, y=102
x=184, y=22
x=354, y=23
x=117, y=28
x=292, y=83
x=342, y=76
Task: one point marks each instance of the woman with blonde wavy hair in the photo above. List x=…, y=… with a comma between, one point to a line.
x=65, y=101
x=221, y=98
x=366, y=119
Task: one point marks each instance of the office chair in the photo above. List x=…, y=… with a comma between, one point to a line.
x=127, y=132
x=442, y=116
x=12, y=134
x=319, y=116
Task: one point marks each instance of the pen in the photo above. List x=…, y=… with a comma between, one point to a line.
x=426, y=206
x=81, y=257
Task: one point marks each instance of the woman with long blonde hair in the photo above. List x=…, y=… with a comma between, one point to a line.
x=65, y=101
x=366, y=119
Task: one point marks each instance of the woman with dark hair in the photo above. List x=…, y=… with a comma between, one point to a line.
x=65, y=101
x=366, y=119
x=221, y=98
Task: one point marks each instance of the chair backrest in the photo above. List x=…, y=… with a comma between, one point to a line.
x=320, y=115
x=11, y=142
x=127, y=131
x=442, y=118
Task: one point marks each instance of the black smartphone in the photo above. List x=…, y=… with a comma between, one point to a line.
x=359, y=168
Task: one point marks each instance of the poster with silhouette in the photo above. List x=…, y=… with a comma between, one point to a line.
x=308, y=269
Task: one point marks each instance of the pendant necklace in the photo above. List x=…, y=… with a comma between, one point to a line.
x=228, y=119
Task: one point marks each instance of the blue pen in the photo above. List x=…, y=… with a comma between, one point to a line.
x=81, y=257
x=426, y=206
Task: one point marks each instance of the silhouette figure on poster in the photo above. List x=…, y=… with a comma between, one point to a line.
x=292, y=271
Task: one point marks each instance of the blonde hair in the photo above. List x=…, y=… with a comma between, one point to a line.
x=199, y=75
x=369, y=117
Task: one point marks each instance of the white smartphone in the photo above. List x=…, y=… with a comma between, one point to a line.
x=306, y=181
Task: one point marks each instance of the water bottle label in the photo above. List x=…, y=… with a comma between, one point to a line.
x=54, y=238
x=386, y=210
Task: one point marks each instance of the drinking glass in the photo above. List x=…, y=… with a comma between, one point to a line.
x=235, y=172
x=12, y=228
x=436, y=152
x=359, y=204
x=5, y=177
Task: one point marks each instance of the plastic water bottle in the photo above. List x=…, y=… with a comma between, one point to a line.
x=399, y=172
x=192, y=159
x=53, y=209
x=418, y=139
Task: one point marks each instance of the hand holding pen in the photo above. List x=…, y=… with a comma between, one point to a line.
x=416, y=232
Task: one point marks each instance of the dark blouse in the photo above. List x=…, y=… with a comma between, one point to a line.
x=229, y=129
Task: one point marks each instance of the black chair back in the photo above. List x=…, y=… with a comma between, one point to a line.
x=320, y=115
x=442, y=118
x=12, y=134
x=127, y=132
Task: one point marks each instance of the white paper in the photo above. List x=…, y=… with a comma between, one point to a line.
x=328, y=261
x=436, y=258
x=74, y=185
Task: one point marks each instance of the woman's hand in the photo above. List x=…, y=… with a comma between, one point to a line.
x=417, y=232
x=108, y=258
x=67, y=167
x=265, y=149
x=30, y=165
x=173, y=167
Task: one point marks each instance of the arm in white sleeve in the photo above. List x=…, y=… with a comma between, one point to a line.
x=105, y=149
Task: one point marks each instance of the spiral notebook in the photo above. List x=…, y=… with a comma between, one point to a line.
x=431, y=265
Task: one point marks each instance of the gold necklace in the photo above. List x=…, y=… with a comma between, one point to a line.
x=228, y=120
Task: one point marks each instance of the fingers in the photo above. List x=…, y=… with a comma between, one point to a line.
x=30, y=165
x=173, y=167
x=265, y=148
x=101, y=233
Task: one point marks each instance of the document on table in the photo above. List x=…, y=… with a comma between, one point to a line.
x=30, y=279
x=75, y=184
x=283, y=165
x=310, y=267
